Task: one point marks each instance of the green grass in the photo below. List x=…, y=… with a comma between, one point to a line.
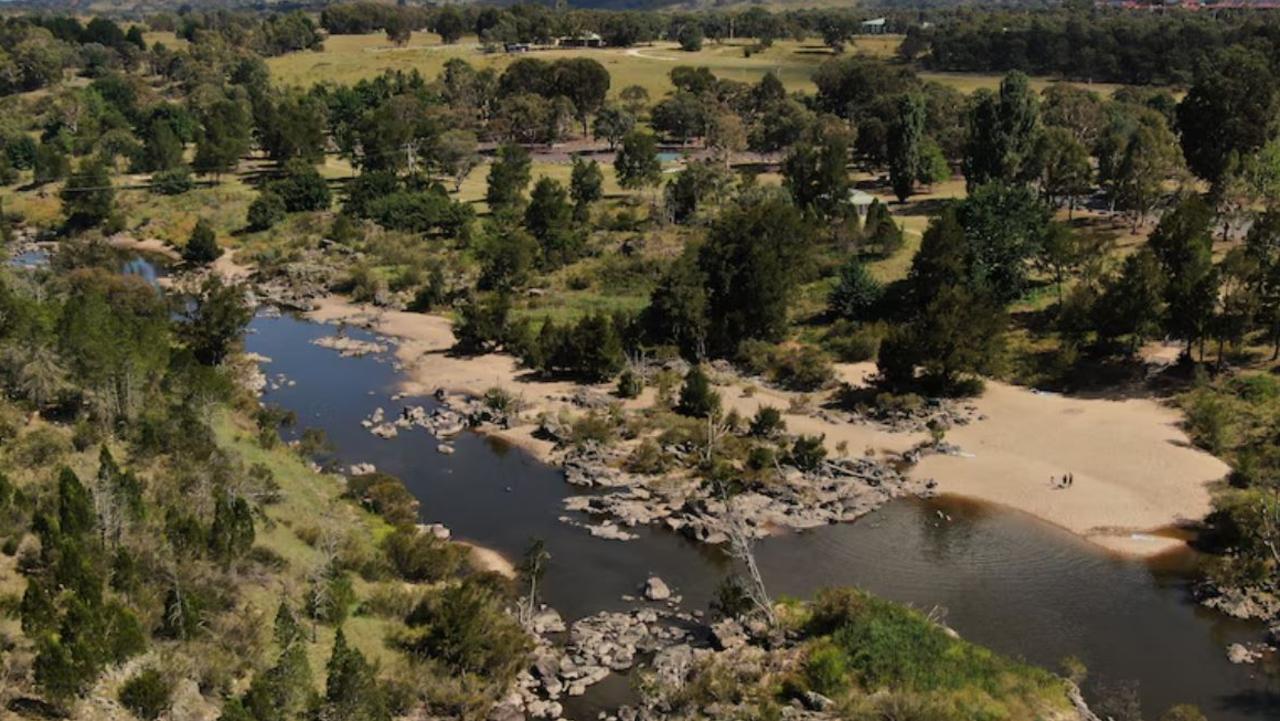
x=349, y=58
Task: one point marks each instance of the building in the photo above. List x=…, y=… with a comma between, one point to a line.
x=581, y=40
x=877, y=26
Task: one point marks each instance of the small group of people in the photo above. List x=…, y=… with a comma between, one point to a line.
x=1066, y=481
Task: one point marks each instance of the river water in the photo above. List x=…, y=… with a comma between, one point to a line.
x=1001, y=578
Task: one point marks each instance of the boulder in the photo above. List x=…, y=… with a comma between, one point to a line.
x=655, y=589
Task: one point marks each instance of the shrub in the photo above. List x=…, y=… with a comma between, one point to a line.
x=767, y=422
x=648, y=458
x=808, y=453
x=386, y=496
x=147, y=695
x=174, y=181
x=202, y=247
x=630, y=384
x=419, y=557
x=803, y=369
x=697, y=398
x=266, y=211
x=827, y=669
x=856, y=295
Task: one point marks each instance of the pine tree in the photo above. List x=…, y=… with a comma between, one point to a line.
x=906, y=136
x=202, y=247
x=697, y=398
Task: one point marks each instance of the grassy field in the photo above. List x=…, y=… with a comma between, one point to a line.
x=349, y=58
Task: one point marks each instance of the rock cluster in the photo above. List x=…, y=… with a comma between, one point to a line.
x=838, y=491
x=349, y=347
x=598, y=645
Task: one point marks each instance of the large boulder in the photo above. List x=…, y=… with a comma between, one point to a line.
x=655, y=589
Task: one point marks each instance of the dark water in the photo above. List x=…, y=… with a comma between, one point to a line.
x=1005, y=580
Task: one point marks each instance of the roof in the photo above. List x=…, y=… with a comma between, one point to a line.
x=877, y=22
x=859, y=197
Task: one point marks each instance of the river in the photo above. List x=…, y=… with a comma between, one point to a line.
x=1001, y=578
x=1005, y=580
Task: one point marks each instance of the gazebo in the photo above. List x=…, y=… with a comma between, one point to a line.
x=861, y=201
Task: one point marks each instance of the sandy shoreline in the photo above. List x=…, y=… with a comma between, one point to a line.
x=1136, y=473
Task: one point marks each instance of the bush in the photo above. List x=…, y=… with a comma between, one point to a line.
x=804, y=369
x=808, y=453
x=174, y=181
x=202, y=247
x=827, y=670
x=630, y=384
x=855, y=345
x=697, y=398
x=266, y=211
x=767, y=422
x=386, y=496
x=648, y=458
x=856, y=295
x=421, y=557
x=147, y=695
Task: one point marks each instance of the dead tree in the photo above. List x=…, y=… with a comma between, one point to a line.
x=741, y=548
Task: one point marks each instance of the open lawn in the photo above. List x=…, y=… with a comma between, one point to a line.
x=349, y=58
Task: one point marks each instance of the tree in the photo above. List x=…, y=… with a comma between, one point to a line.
x=265, y=211
x=613, y=124
x=464, y=628
x=1183, y=245
x=507, y=256
x=398, y=28
x=1229, y=109
x=508, y=176
x=1149, y=158
x=1004, y=227
x=88, y=197
x=301, y=187
x=959, y=332
x=215, y=320
x=691, y=187
x=586, y=186
x=751, y=260
x=683, y=115
x=455, y=155
x=223, y=137
x=634, y=98
x=450, y=24
x=1065, y=171
x=202, y=247
x=697, y=398
x=532, y=568
x=856, y=294
x=817, y=174
x=906, y=137
x=677, y=310
x=549, y=218
x=1002, y=132
x=690, y=36
x=162, y=149
x=351, y=690
x=637, y=162
x=726, y=135
x=585, y=82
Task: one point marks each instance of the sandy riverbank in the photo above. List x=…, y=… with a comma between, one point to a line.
x=1135, y=471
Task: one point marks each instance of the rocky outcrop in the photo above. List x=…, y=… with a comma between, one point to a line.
x=838, y=491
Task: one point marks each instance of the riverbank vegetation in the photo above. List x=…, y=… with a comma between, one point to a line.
x=597, y=219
